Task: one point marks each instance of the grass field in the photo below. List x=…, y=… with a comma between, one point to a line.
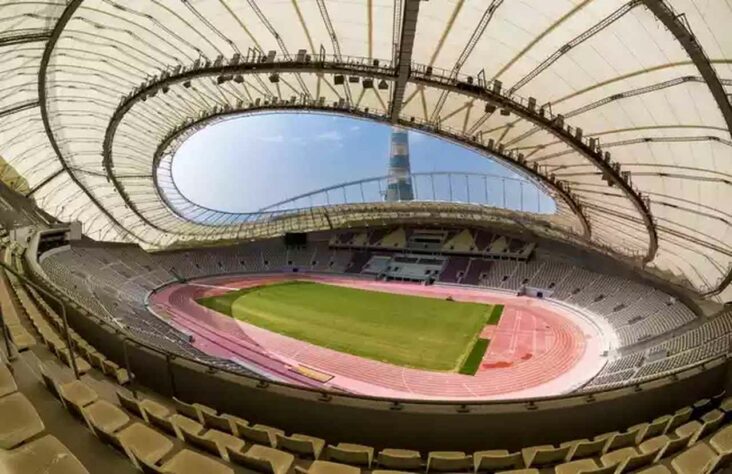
x=404, y=330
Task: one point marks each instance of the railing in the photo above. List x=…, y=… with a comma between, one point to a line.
x=496, y=191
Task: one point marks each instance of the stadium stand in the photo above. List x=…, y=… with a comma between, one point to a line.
x=113, y=282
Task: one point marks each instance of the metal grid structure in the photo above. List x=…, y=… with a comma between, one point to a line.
x=619, y=109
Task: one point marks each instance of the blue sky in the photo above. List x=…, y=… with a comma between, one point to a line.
x=249, y=162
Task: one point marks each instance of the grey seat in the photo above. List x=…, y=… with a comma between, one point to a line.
x=45, y=455
x=19, y=420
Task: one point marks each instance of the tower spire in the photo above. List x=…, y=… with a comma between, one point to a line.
x=399, y=182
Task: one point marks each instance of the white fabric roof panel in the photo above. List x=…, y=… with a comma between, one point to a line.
x=611, y=67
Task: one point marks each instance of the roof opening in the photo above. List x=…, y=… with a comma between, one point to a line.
x=280, y=161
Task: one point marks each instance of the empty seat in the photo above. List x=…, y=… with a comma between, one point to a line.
x=697, y=459
x=19, y=421
x=175, y=423
x=448, y=461
x=628, y=459
x=681, y=416
x=76, y=395
x=546, y=455
x=106, y=415
x=584, y=466
x=652, y=429
x=300, y=444
x=496, y=460
x=721, y=441
x=82, y=366
x=582, y=448
x=328, y=467
x=144, y=442
x=656, y=469
x=406, y=459
x=260, y=434
x=201, y=442
x=699, y=429
x=218, y=422
x=192, y=410
x=350, y=453
x=7, y=382
x=191, y=462
x=264, y=459
x=223, y=441
x=617, y=440
x=44, y=455
x=142, y=407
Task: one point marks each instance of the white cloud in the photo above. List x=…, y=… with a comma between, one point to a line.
x=355, y=128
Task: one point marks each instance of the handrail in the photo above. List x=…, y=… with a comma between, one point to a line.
x=61, y=305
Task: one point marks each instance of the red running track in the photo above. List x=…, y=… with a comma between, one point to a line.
x=537, y=349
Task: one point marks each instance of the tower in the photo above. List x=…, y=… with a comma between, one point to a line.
x=399, y=181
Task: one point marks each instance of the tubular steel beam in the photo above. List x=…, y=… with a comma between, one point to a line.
x=404, y=57
x=686, y=38
x=27, y=38
x=157, y=85
x=58, y=29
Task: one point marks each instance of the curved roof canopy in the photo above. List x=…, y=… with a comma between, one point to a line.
x=620, y=109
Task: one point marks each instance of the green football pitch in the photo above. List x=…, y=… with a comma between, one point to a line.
x=405, y=330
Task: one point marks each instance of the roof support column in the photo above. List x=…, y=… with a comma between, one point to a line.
x=404, y=56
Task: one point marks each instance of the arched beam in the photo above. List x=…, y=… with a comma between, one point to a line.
x=686, y=38
x=561, y=191
x=43, y=103
x=404, y=56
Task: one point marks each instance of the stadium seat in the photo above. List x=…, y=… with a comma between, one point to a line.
x=656, y=469
x=144, y=442
x=176, y=423
x=697, y=459
x=520, y=471
x=583, y=466
x=582, y=448
x=545, y=455
x=496, y=459
x=82, y=366
x=19, y=420
x=115, y=371
x=617, y=440
x=218, y=422
x=224, y=441
x=721, y=441
x=36, y=457
x=681, y=416
x=141, y=408
x=106, y=415
x=628, y=459
x=328, y=467
x=191, y=462
x=76, y=395
x=443, y=461
x=192, y=410
x=649, y=430
x=7, y=382
x=263, y=459
x=405, y=459
x=349, y=453
x=261, y=434
x=302, y=445
x=201, y=442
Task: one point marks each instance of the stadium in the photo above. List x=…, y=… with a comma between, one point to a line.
x=569, y=315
